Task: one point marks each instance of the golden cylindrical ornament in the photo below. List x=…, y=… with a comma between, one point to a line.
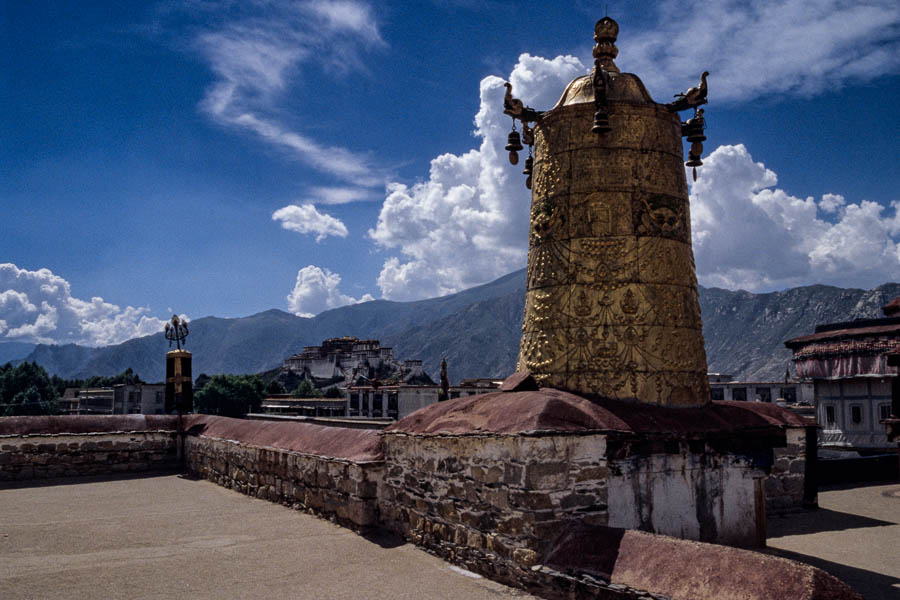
x=611, y=307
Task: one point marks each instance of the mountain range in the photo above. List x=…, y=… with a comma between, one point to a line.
x=477, y=330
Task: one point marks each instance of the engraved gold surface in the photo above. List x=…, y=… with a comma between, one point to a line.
x=611, y=304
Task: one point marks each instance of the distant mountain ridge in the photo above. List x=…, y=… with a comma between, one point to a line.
x=478, y=330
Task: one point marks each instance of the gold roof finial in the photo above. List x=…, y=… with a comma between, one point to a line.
x=605, y=33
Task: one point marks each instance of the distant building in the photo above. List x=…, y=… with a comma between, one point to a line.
x=723, y=387
x=121, y=399
x=349, y=359
x=399, y=401
x=367, y=401
x=847, y=364
x=285, y=404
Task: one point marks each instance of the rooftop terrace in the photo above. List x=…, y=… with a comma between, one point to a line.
x=168, y=537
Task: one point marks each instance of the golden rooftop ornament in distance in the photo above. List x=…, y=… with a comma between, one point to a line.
x=611, y=305
x=179, y=378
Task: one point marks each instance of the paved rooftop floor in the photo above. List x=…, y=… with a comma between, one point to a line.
x=167, y=537
x=854, y=535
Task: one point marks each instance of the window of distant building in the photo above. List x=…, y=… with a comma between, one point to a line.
x=716, y=393
x=764, y=394
x=856, y=414
x=789, y=394
x=739, y=393
x=884, y=411
x=376, y=405
x=829, y=415
x=393, y=405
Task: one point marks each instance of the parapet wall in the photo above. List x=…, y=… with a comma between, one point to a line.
x=293, y=464
x=786, y=485
x=46, y=447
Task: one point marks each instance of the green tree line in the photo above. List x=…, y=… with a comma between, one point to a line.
x=25, y=389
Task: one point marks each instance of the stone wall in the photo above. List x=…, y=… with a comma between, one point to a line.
x=341, y=490
x=25, y=457
x=492, y=502
x=785, y=485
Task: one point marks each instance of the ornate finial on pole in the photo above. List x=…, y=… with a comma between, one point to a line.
x=176, y=331
x=605, y=33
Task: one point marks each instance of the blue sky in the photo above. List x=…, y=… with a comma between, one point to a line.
x=223, y=158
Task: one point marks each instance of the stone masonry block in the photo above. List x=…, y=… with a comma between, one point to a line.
x=588, y=449
x=489, y=475
x=593, y=473
x=548, y=475
x=530, y=500
x=512, y=474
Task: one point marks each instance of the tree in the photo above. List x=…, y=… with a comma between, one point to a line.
x=26, y=389
x=275, y=387
x=230, y=395
x=306, y=390
x=127, y=377
x=202, y=380
x=334, y=392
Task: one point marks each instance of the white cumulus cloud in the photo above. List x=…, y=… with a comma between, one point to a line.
x=468, y=223
x=38, y=307
x=762, y=49
x=316, y=290
x=749, y=234
x=306, y=219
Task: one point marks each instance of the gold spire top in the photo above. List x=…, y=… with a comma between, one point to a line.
x=605, y=33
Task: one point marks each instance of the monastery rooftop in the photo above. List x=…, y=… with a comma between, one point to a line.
x=171, y=537
x=135, y=537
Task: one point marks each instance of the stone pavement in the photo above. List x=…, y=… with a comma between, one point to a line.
x=166, y=537
x=854, y=535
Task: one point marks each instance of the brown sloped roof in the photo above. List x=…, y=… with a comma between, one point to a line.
x=553, y=410
x=683, y=569
x=892, y=308
x=48, y=425
x=359, y=445
x=850, y=332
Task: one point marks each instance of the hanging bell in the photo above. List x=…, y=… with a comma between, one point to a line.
x=693, y=132
x=529, y=163
x=694, y=157
x=693, y=128
x=601, y=122
x=528, y=182
x=513, y=142
x=513, y=145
